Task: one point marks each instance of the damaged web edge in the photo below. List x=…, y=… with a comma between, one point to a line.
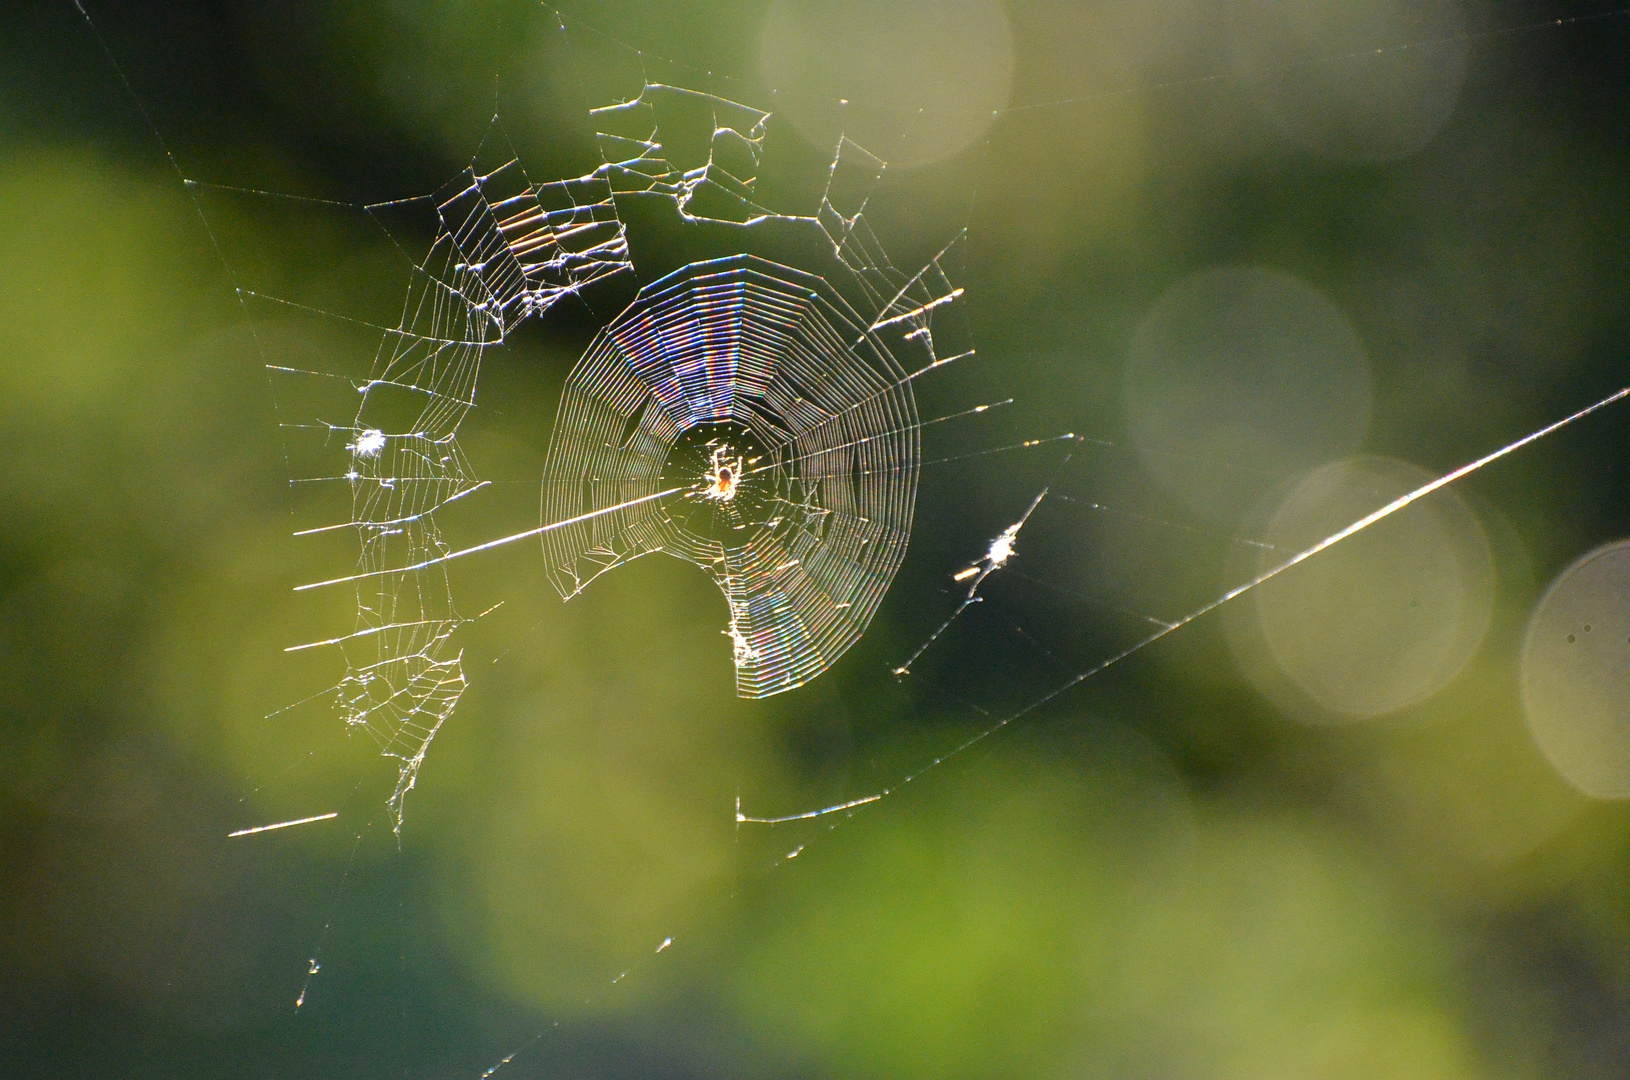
x=505, y=249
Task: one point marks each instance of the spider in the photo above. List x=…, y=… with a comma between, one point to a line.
x=724, y=473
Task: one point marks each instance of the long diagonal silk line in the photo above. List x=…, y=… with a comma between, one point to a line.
x=743, y=819
x=285, y=824
x=1239, y=590
x=539, y=531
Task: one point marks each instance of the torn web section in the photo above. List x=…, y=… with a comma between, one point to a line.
x=700, y=150
x=371, y=419
x=665, y=129
x=712, y=148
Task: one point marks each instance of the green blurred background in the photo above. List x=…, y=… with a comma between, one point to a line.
x=1279, y=261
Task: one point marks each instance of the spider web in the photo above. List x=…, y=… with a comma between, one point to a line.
x=769, y=335
x=759, y=336
x=505, y=249
x=782, y=355
x=806, y=547
x=714, y=330
x=789, y=370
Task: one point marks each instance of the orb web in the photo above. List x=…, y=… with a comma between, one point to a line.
x=788, y=382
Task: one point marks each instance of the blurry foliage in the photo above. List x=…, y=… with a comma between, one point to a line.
x=1163, y=875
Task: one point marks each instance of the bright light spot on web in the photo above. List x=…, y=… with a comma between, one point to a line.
x=368, y=443
x=742, y=652
x=1001, y=549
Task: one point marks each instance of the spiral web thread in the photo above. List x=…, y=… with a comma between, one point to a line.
x=773, y=350
x=807, y=368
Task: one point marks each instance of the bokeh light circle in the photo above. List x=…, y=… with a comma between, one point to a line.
x=1239, y=378
x=935, y=70
x=1353, y=80
x=1388, y=616
x=1576, y=673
